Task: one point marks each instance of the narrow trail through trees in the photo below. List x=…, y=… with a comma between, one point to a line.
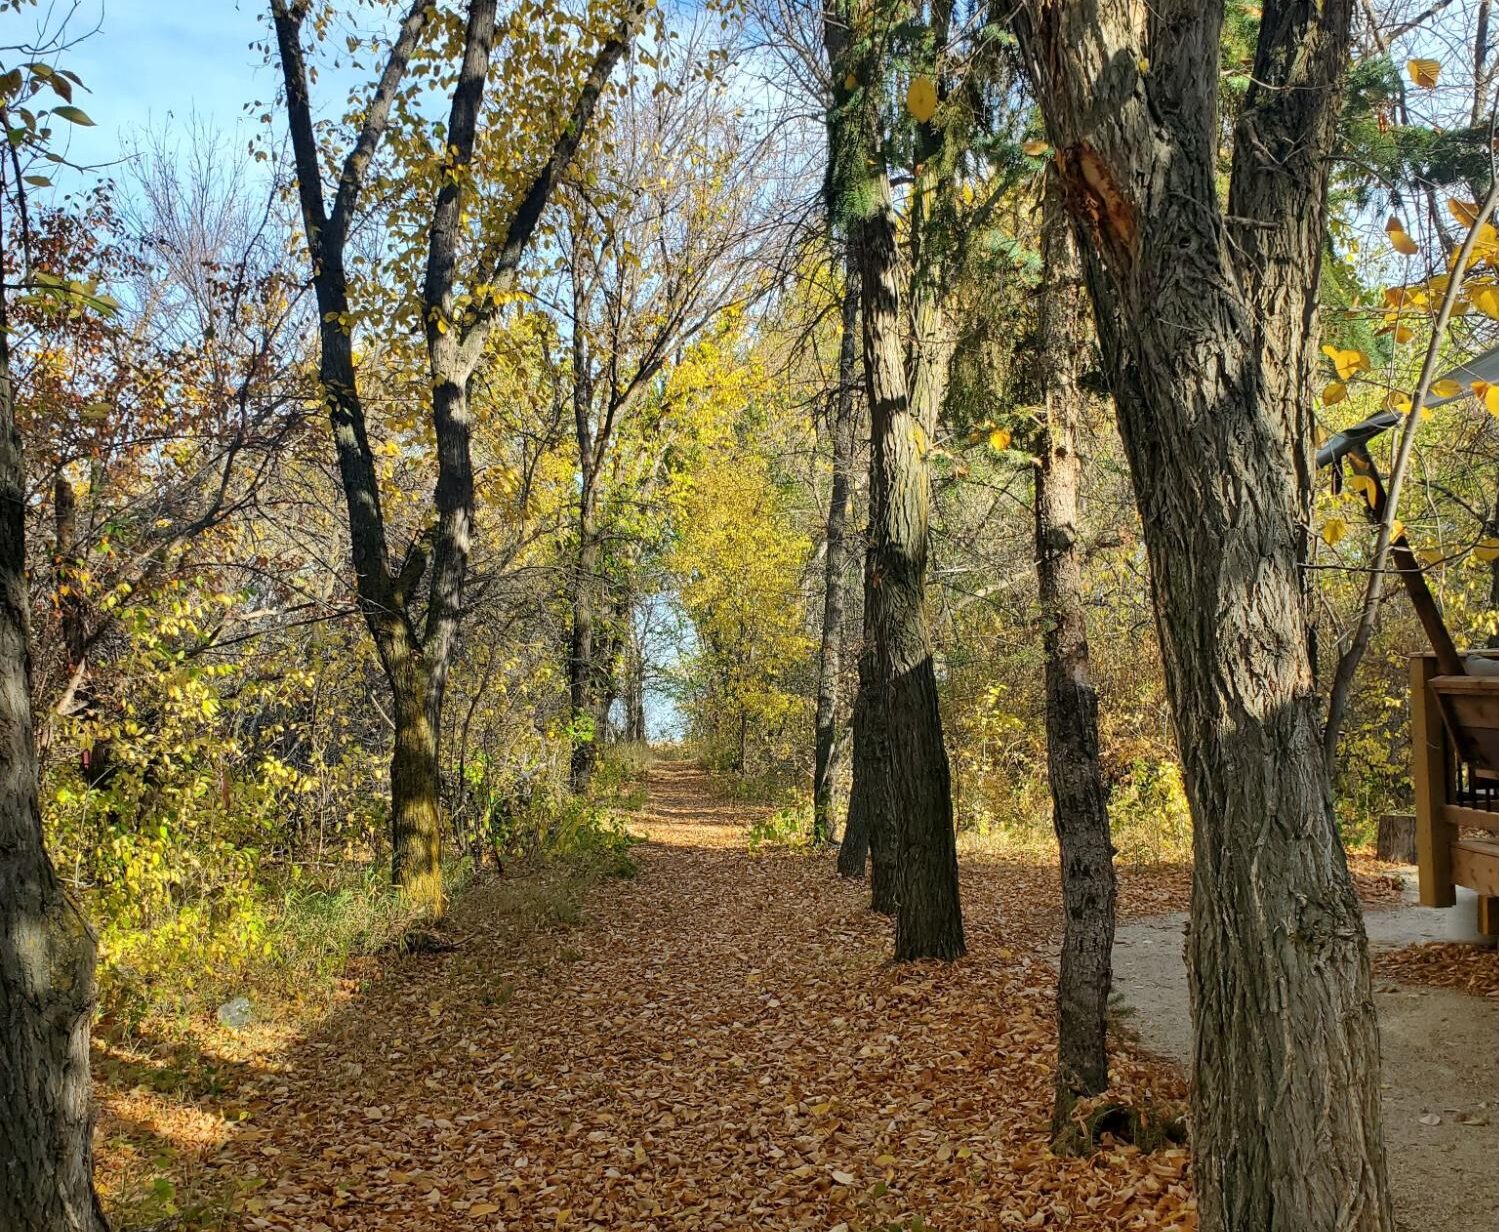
x=718, y=1043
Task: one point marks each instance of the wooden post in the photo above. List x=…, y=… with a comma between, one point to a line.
x=1488, y=915
x=1429, y=776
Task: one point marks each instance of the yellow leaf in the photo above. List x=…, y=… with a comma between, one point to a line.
x=1034, y=148
x=1487, y=549
x=1424, y=72
x=1333, y=531
x=1399, y=240
x=1363, y=484
x=1397, y=528
x=921, y=99
x=1486, y=300
x=1333, y=393
x=1488, y=395
x=850, y=82
x=1398, y=401
x=999, y=439
x=1446, y=389
x=1346, y=362
x=1464, y=211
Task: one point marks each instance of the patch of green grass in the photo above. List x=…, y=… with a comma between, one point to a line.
x=788, y=828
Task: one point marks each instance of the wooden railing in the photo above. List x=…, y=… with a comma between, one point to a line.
x=1455, y=772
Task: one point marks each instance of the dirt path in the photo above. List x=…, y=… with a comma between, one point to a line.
x=1439, y=1059
x=718, y=1044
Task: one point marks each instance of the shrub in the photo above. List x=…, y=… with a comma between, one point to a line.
x=788, y=828
x=1149, y=815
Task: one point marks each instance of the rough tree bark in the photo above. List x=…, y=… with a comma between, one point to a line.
x=1079, y=799
x=904, y=780
x=841, y=421
x=911, y=779
x=1204, y=318
x=853, y=845
x=46, y=946
x=415, y=659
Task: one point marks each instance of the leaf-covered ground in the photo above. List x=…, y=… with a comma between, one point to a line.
x=1443, y=964
x=719, y=1043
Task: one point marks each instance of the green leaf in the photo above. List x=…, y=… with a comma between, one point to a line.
x=74, y=115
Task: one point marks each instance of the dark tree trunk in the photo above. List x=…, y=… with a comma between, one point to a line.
x=46, y=946
x=853, y=847
x=869, y=808
x=830, y=661
x=1204, y=320
x=1079, y=799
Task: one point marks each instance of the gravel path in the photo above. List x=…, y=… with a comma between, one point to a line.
x=1440, y=1070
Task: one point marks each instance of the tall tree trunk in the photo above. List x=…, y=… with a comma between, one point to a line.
x=635, y=697
x=46, y=946
x=1203, y=319
x=869, y=805
x=1079, y=799
x=830, y=660
x=581, y=668
x=911, y=778
x=854, y=847
x=905, y=778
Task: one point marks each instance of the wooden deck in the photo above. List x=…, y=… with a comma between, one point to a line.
x=1455, y=772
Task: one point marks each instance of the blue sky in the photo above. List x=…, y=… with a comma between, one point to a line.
x=157, y=61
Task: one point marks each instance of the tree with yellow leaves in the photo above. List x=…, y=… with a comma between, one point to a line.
x=456, y=322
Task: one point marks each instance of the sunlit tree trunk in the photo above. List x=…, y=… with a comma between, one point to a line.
x=1204, y=318
x=46, y=947
x=416, y=810
x=1079, y=799
x=911, y=775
